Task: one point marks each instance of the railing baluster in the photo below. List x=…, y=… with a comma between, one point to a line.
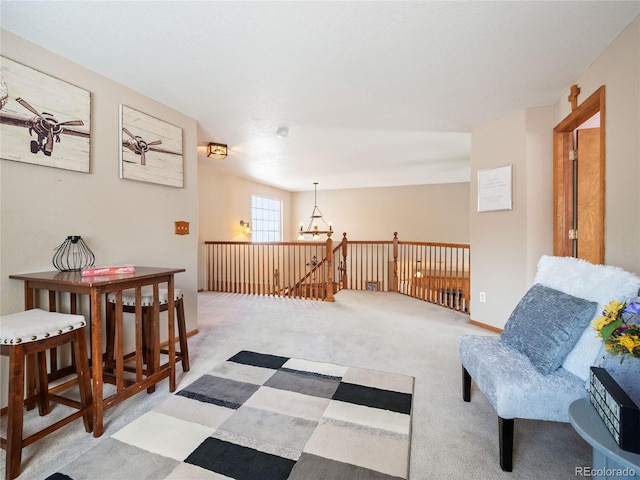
x=221, y=262
x=292, y=270
x=242, y=268
x=229, y=271
x=217, y=265
x=217, y=253
x=269, y=269
x=245, y=270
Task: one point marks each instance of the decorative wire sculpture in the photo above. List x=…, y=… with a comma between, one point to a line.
x=73, y=255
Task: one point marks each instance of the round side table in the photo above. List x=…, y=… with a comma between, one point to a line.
x=610, y=462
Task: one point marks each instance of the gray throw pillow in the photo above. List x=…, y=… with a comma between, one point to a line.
x=546, y=324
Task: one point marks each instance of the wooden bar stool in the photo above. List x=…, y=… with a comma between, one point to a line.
x=29, y=333
x=129, y=306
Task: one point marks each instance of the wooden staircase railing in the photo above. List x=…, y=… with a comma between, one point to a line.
x=287, y=269
x=434, y=272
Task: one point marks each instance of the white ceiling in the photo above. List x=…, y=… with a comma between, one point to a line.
x=374, y=93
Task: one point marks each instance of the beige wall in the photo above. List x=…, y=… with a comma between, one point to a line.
x=420, y=213
x=504, y=244
x=224, y=200
x=121, y=220
x=507, y=245
x=425, y=212
x=428, y=213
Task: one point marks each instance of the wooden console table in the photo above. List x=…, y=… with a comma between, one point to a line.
x=96, y=288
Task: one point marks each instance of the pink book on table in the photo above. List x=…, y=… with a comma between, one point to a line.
x=108, y=270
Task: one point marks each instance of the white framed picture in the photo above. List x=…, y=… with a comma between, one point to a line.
x=151, y=149
x=495, y=189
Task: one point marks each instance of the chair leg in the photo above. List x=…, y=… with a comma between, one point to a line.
x=147, y=337
x=183, y=353
x=150, y=326
x=505, y=429
x=31, y=400
x=466, y=385
x=84, y=379
x=15, y=413
x=35, y=352
x=42, y=384
x=110, y=328
x=182, y=335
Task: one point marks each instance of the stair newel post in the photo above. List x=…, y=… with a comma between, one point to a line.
x=329, y=254
x=344, y=259
x=395, y=261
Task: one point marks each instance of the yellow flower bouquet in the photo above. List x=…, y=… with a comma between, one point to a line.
x=619, y=328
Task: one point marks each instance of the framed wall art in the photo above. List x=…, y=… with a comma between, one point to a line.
x=494, y=189
x=151, y=149
x=43, y=120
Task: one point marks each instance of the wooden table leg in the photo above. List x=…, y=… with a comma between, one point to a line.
x=96, y=362
x=141, y=346
x=153, y=363
x=171, y=334
x=118, y=340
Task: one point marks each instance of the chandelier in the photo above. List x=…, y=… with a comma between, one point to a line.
x=314, y=229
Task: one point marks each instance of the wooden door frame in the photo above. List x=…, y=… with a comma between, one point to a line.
x=563, y=172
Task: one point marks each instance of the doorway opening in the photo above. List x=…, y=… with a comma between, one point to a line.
x=579, y=181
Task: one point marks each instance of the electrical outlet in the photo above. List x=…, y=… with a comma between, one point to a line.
x=483, y=297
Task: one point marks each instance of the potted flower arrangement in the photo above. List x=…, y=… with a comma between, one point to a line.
x=616, y=400
x=619, y=328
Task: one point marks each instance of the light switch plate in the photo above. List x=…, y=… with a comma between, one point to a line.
x=182, y=228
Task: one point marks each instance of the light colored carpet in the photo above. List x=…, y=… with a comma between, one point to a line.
x=382, y=331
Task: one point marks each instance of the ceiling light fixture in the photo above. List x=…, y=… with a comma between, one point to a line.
x=313, y=229
x=217, y=150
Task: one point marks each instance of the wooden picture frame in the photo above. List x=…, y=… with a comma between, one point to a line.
x=151, y=149
x=43, y=120
x=495, y=189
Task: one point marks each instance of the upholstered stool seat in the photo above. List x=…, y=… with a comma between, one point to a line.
x=33, y=332
x=129, y=304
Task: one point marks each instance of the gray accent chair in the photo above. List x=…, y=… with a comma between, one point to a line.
x=509, y=370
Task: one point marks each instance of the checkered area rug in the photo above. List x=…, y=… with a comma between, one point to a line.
x=259, y=416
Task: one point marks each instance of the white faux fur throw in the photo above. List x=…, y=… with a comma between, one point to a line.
x=597, y=283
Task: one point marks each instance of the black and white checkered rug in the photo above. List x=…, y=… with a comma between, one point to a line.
x=259, y=416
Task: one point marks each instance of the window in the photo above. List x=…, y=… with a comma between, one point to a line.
x=266, y=215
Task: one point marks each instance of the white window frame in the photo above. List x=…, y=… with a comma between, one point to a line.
x=266, y=219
